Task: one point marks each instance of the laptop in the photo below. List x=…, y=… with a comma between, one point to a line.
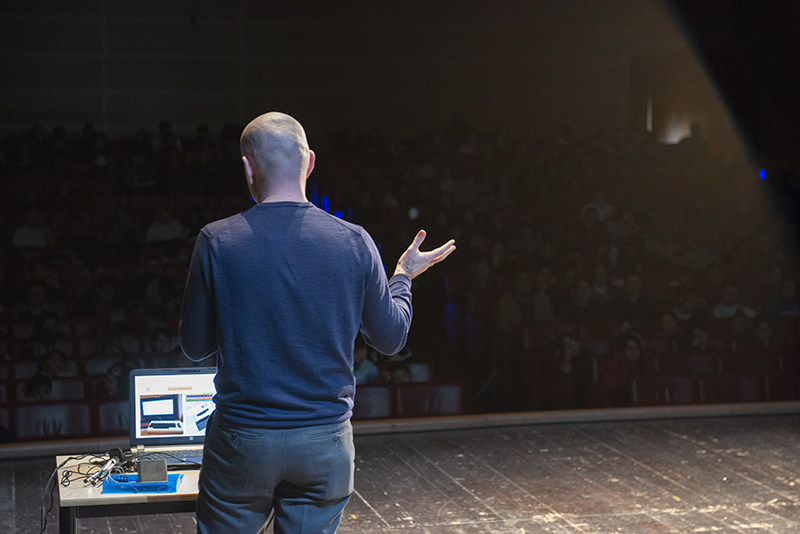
x=169, y=411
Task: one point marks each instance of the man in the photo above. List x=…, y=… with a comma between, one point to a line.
x=279, y=293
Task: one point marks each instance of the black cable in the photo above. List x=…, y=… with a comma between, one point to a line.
x=64, y=481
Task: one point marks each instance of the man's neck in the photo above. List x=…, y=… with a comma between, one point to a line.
x=285, y=197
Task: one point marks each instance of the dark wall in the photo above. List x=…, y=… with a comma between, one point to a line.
x=403, y=66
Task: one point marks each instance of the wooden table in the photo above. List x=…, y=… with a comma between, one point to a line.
x=78, y=500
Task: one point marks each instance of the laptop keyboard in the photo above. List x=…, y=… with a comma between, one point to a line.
x=174, y=455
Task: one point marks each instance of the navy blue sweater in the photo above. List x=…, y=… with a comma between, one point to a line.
x=279, y=292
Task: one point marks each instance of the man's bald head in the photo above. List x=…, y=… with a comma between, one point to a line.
x=275, y=144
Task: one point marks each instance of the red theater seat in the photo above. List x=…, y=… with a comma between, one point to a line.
x=421, y=400
x=647, y=390
x=733, y=388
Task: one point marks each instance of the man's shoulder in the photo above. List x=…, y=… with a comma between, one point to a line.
x=213, y=228
x=321, y=218
x=332, y=221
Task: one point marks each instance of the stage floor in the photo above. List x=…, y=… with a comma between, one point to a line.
x=717, y=475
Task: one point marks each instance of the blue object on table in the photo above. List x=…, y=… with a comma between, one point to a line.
x=131, y=484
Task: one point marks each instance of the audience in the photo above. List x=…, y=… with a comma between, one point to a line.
x=729, y=305
x=561, y=229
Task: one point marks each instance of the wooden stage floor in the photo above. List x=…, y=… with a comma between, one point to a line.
x=716, y=475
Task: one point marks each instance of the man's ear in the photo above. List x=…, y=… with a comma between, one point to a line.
x=312, y=158
x=248, y=170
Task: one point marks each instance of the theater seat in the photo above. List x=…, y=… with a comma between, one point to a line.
x=114, y=417
x=99, y=366
x=783, y=386
x=52, y=420
x=61, y=389
x=420, y=372
x=733, y=388
x=421, y=400
x=649, y=390
x=372, y=402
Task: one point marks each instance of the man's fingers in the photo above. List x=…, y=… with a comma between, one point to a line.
x=414, y=262
x=437, y=251
x=444, y=252
x=418, y=239
x=447, y=251
x=438, y=254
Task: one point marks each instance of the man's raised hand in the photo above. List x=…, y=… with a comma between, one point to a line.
x=413, y=262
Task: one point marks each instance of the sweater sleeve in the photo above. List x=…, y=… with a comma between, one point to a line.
x=387, y=311
x=197, y=327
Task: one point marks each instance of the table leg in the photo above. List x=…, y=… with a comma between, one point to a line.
x=67, y=520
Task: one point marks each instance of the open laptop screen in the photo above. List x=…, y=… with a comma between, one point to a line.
x=170, y=406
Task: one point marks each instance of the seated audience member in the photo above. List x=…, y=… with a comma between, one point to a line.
x=165, y=228
x=601, y=287
x=38, y=388
x=80, y=241
x=628, y=361
x=42, y=274
x=600, y=205
x=633, y=304
x=394, y=373
x=100, y=298
x=166, y=236
x=116, y=382
x=786, y=303
x=166, y=138
x=516, y=306
x=33, y=232
x=760, y=351
x=51, y=364
x=566, y=381
x=543, y=300
x=47, y=330
x=581, y=306
x=740, y=327
x=117, y=322
x=729, y=304
x=124, y=238
x=365, y=371
x=668, y=336
x=682, y=282
x=687, y=307
x=166, y=352
x=697, y=338
x=197, y=220
x=36, y=304
x=152, y=269
x=156, y=304
x=480, y=292
x=401, y=374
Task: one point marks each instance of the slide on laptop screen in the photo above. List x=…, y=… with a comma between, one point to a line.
x=170, y=407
